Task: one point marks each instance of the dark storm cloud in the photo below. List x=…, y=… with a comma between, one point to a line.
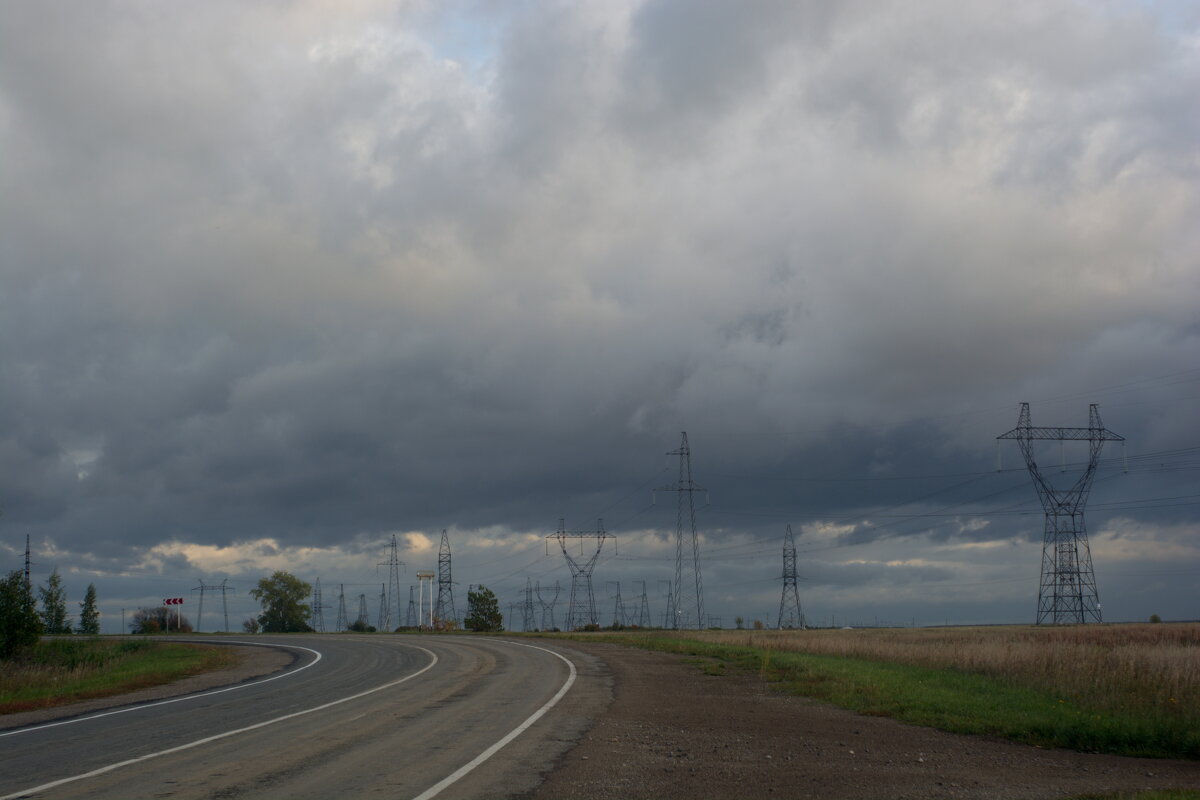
x=271, y=275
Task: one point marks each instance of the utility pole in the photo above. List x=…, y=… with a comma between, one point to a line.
x=1067, y=590
x=548, y=607
x=685, y=602
x=790, y=615
x=318, y=608
x=582, y=608
x=446, y=612
x=393, y=593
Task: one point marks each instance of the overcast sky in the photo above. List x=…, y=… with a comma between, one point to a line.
x=281, y=280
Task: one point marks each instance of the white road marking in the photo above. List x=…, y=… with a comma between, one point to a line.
x=207, y=739
x=127, y=709
x=437, y=788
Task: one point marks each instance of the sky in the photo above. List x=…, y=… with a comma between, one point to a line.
x=280, y=281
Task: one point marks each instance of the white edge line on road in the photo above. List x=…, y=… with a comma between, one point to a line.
x=437, y=788
x=181, y=698
x=226, y=734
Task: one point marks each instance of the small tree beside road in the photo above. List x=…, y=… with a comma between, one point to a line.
x=483, y=611
x=281, y=596
x=20, y=624
x=54, y=605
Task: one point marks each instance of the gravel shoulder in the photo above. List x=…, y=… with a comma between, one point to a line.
x=672, y=731
x=253, y=662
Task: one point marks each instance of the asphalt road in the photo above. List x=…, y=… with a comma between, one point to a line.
x=399, y=717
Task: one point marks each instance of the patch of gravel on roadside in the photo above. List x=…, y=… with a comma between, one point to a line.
x=673, y=732
x=253, y=662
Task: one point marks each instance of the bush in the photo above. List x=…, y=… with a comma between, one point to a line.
x=1155, y=618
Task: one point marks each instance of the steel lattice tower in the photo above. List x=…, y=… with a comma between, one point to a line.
x=411, y=619
x=1067, y=591
x=393, y=564
x=361, y=620
x=341, y=614
x=318, y=608
x=385, y=612
x=643, y=612
x=683, y=600
x=547, y=607
x=200, y=609
x=579, y=614
x=618, y=604
x=528, y=620
x=790, y=615
x=445, y=610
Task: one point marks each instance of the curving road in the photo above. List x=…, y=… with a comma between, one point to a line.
x=401, y=717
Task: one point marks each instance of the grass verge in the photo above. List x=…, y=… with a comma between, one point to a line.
x=943, y=698
x=59, y=671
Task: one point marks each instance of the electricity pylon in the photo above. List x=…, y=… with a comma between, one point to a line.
x=445, y=610
x=393, y=564
x=341, y=624
x=200, y=609
x=547, y=607
x=688, y=595
x=318, y=608
x=790, y=615
x=361, y=621
x=1067, y=591
x=643, y=613
x=410, y=619
x=582, y=608
x=528, y=620
x=384, y=611
x=618, y=603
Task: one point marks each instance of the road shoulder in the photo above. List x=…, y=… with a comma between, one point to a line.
x=673, y=731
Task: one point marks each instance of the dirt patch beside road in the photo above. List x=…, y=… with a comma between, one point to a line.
x=674, y=732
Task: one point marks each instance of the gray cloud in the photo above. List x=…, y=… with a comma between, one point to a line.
x=272, y=275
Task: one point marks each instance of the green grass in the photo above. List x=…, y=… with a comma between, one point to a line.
x=943, y=698
x=59, y=671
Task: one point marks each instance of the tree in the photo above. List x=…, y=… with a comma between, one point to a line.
x=89, y=616
x=281, y=596
x=250, y=625
x=1155, y=618
x=54, y=605
x=483, y=611
x=20, y=624
x=156, y=619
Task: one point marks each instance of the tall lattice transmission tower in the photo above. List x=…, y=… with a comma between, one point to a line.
x=392, y=595
x=341, y=624
x=410, y=619
x=361, y=619
x=528, y=618
x=790, y=615
x=445, y=610
x=582, y=609
x=618, y=603
x=547, y=605
x=688, y=596
x=384, y=622
x=641, y=617
x=1067, y=590
x=318, y=608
